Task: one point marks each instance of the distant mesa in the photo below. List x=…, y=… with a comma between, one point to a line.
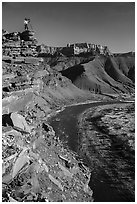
x=74, y=49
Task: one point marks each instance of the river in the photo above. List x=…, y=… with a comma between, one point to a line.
x=65, y=126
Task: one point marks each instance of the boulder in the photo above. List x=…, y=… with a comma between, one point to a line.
x=32, y=60
x=41, y=74
x=20, y=122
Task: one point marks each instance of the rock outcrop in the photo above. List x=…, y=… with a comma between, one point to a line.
x=19, y=44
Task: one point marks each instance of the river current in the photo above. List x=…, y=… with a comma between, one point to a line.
x=103, y=184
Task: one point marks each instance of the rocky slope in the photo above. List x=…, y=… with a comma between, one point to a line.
x=36, y=165
x=104, y=75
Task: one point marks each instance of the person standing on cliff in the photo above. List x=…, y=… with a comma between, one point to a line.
x=26, y=22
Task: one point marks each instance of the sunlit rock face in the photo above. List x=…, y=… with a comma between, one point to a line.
x=19, y=44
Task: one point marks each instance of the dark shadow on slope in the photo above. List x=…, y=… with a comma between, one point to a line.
x=68, y=61
x=81, y=80
x=6, y=89
x=112, y=69
x=6, y=120
x=131, y=74
x=74, y=72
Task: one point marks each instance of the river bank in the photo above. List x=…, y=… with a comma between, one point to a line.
x=107, y=145
x=38, y=167
x=49, y=165
x=106, y=100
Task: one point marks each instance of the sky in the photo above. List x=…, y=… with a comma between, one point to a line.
x=59, y=23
